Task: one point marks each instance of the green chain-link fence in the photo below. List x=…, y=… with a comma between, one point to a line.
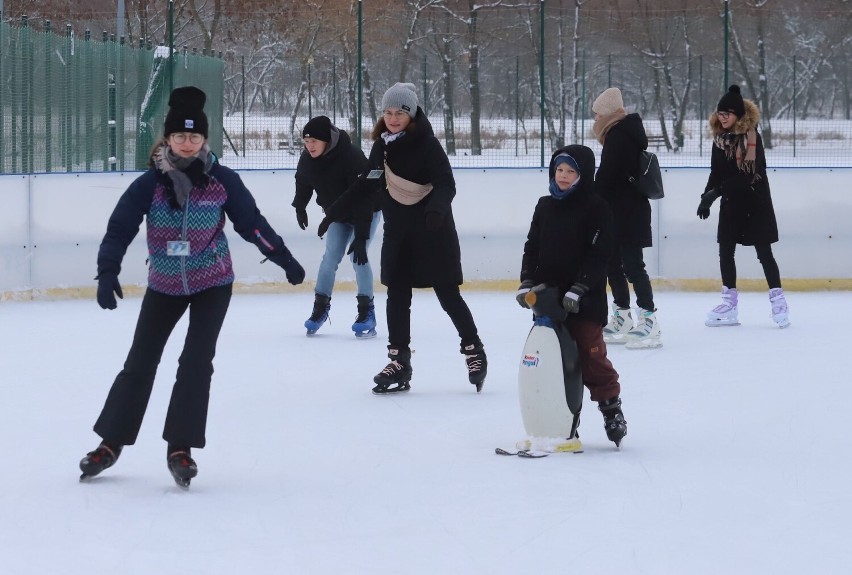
x=80, y=105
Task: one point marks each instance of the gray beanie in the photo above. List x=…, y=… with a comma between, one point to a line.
x=401, y=96
x=609, y=102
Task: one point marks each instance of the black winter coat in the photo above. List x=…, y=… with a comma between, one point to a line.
x=570, y=240
x=631, y=210
x=746, y=215
x=413, y=255
x=330, y=175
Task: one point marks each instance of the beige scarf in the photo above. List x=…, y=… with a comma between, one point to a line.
x=743, y=147
x=404, y=191
x=604, y=124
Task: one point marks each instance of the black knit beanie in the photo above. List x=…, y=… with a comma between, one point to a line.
x=186, y=112
x=732, y=101
x=318, y=128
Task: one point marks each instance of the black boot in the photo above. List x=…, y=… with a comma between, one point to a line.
x=319, y=315
x=396, y=376
x=181, y=465
x=614, y=422
x=477, y=363
x=101, y=458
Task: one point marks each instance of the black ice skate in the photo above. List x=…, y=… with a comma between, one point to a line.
x=396, y=376
x=101, y=458
x=477, y=364
x=614, y=422
x=181, y=466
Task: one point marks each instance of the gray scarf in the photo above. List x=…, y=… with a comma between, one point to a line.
x=175, y=166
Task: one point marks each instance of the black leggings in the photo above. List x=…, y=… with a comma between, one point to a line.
x=626, y=264
x=764, y=256
x=186, y=420
x=399, y=315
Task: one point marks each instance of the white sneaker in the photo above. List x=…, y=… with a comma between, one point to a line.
x=646, y=334
x=726, y=312
x=620, y=323
x=780, y=311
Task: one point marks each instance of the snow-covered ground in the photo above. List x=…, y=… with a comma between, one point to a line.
x=734, y=461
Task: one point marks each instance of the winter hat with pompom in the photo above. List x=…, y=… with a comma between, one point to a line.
x=732, y=101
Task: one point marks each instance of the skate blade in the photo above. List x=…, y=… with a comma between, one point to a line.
x=614, y=339
x=402, y=388
x=648, y=343
x=369, y=334
x=722, y=322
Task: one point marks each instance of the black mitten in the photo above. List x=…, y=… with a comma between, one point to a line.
x=302, y=217
x=571, y=301
x=108, y=288
x=707, y=199
x=293, y=269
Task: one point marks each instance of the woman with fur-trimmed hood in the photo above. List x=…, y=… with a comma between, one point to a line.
x=746, y=215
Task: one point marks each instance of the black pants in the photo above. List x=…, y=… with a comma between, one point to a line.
x=399, y=315
x=127, y=401
x=627, y=265
x=764, y=256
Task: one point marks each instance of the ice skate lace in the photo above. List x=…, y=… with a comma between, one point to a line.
x=474, y=363
x=392, y=368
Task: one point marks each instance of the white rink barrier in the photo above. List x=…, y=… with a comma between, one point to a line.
x=51, y=226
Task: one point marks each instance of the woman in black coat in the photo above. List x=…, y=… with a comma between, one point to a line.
x=410, y=174
x=622, y=136
x=746, y=215
x=569, y=245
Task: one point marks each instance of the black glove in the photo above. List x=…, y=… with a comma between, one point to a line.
x=302, y=217
x=324, y=225
x=434, y=219
x=294, y=271
x=358, y=249
x=108, y=288
x=707, y=199
x=523, y=289
x=571, y=301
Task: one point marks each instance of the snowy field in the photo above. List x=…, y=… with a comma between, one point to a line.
x=734, y=461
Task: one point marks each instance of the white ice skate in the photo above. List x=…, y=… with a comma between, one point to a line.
x=780, y=311
x=724, y=314
x=646, y=334
x=620, y=324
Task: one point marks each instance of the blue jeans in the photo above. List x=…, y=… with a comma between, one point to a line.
x=337, y=240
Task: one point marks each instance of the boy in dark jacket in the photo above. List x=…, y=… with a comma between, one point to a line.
x=568, y=246
x=329, y=164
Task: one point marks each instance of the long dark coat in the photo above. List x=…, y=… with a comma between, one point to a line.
x=631, y=210
x=570, y=240
x=746, y=215
x=412, y=255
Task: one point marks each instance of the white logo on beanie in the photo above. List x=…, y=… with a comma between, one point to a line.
x=188, y=124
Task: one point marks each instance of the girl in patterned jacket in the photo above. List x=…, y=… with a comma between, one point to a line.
x=184, y=198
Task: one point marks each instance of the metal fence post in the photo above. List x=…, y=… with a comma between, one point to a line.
x=48, y=98
x=2, y=104
x=66, y=120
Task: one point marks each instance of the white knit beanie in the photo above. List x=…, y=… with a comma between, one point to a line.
x=401, y=96
x=609, y=102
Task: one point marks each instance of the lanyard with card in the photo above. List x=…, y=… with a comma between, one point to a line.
x=177, y=248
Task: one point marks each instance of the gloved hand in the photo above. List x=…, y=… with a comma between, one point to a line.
x=294, y=271
x=108, y=288
x=523, y=289
x=707, y=199
x=358, y=249
x=434, y=219
x=571, y=301
x=324, y=225
x=302, y=217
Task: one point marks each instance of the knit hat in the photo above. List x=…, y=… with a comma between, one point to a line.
x=318, y=128
x=186, y=112
x=401, y=96
x=732, y=101
x=609, y=102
